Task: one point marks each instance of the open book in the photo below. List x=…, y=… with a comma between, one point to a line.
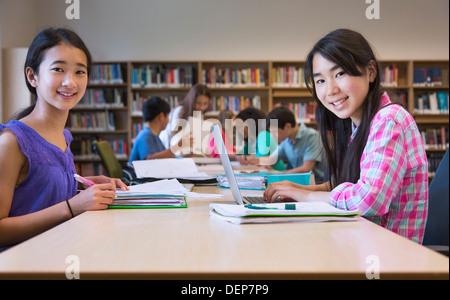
x=281, y=212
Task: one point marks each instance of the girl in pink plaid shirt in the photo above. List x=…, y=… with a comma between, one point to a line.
x=376, y=159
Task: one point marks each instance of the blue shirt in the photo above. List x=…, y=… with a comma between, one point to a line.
x=146, y=143
x=307, y=146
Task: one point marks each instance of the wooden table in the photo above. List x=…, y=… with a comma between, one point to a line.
x=190, y=244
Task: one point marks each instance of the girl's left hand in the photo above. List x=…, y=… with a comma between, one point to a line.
x=103, y=179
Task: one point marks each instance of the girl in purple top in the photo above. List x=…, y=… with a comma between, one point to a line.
x=37, y=187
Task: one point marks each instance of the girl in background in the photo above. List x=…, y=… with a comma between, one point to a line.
x=37, y=187
x=197, y=99
x=377, y=162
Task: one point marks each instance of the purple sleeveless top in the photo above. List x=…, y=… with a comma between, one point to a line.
x=50, y=176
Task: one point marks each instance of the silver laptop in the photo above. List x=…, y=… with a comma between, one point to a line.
x=229, y=170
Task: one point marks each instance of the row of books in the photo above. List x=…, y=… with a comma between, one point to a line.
x=90, y=169
x=135, y=129
x=106, y=74
x=226, y=77
x=138, y=101
x=98, y=120
x=107, y=97
x=304, y=112
x=389, y=76
x=435, y=138
x=434, y=159
x=288, y=77
x=432, y=103
x=430, y=77
x=81, y=147
x=161, y=76
x=234, y=103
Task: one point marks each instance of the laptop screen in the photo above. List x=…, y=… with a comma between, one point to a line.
x=218, y=140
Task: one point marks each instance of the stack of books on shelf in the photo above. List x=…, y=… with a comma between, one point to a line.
x=135, y=128
x=90, y=169
x=435, y=138
x=434, y=159
x=431, y=103
x=430, y=77
x=288, y=77
x=161, y=76
x=136, y=108
x=389, y=76
x=91, y=121
x=106, y=74
x=108, y=97
x=81, y=147
x=233, y=103
x=226, y=77
x=304, y=112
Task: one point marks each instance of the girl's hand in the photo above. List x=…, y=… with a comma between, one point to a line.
x=284, y=191
x=95, y=197
x=103, y=179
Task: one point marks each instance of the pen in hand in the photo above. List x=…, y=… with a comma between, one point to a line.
x=83, y=180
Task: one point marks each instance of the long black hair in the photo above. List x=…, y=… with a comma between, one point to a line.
x=353, y=53
x=44, y=40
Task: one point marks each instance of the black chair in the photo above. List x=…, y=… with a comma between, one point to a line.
x=112, y=165
x=436, y=230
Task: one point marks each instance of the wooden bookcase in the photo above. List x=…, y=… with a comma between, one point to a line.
x=235, y=85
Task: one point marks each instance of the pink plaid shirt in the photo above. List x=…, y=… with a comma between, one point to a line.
x=393, y=187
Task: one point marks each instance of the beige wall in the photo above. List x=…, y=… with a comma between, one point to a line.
x=234, y=29
x=231, y=29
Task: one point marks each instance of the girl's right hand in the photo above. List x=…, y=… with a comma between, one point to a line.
x=96, y=197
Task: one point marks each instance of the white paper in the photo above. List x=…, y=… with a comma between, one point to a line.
x=160, y=187
x=168, y=168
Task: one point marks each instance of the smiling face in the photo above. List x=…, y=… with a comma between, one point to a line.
x=62, y=78
x=340, y=92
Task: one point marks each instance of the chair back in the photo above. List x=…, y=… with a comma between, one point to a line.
x=109, y=159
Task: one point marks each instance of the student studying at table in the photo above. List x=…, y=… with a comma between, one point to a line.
x=37, y=186
x=299, y=146
x=147, y=144
x=196, y=100
x=377, y=162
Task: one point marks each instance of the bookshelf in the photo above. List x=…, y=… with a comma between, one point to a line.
x=117, y=90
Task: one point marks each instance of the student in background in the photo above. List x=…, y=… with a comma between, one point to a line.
x=252, y=116
x=377, y=162
x=37, y=188
x=224, y=115
x=299, y=146
x=147, y=144
x=197, y=99
x=257, y=143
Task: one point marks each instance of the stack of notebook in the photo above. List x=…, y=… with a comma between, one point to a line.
x=158, y=194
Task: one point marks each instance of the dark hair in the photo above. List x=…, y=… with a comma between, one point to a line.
x=44, y=40
x=153, y=107
x=189, y=100
x=254, y=114
x=351, y=52
x=283, y=115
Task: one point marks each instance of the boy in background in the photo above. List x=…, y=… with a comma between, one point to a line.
x=299, y=146
x=148, y=145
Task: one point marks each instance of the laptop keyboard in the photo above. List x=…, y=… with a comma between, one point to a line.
x=253, y=199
